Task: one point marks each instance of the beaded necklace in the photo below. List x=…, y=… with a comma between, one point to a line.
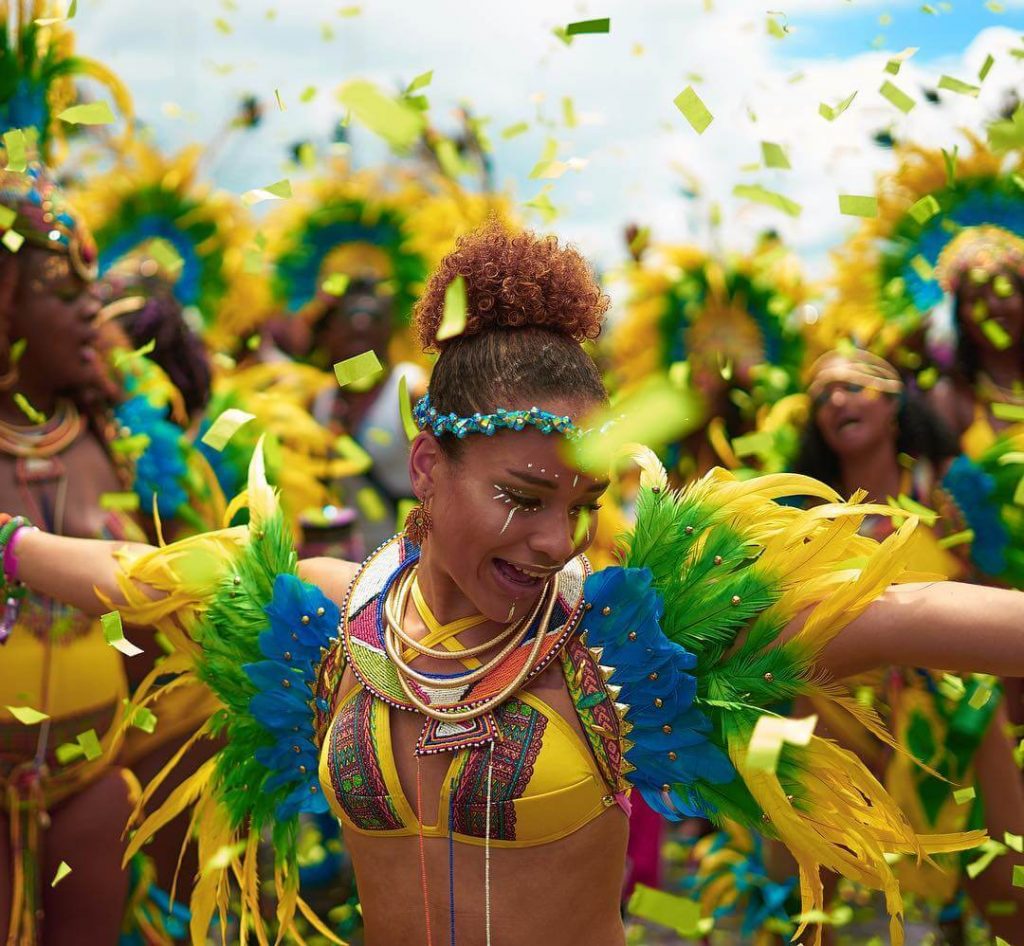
x=42, y=441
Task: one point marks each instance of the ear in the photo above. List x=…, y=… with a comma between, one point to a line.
x=425, y=461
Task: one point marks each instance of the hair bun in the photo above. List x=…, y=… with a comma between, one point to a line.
x=514, y=279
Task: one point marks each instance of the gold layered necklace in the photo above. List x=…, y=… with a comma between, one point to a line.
x=42, y=441
x=394, y=636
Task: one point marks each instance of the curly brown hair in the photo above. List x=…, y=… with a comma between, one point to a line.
x=514, y=279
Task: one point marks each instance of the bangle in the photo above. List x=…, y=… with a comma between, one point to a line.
x=11, y=590
x=8, y=534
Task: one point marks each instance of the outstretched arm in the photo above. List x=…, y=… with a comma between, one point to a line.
x=70, y=570
x=943, y=625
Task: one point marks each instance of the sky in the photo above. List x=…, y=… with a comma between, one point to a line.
x=188, y=64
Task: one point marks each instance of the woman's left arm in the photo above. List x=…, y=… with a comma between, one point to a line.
x=943, y=625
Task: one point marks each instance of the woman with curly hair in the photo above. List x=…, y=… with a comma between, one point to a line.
x=468, y=722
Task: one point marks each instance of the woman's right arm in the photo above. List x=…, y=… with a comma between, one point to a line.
x=72, y=570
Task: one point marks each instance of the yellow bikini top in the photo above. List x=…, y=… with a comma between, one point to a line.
x=545, y=781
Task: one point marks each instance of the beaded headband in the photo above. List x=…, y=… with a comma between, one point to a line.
x=428, y=417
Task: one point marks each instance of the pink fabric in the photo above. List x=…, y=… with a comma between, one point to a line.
x=643, y=853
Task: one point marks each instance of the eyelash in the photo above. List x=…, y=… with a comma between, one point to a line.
x=529, y=504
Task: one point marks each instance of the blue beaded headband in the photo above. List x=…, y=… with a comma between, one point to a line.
x=489, y=424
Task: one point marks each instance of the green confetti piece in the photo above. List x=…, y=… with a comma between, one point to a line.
x=990, y=851
x=349, y=449
x=928, y=8
x=776, y=29
x=952, y=84
x=996, y=334
x=1007, y=134
x=405, y=409
x=144, y=718
x=924, y=209
x=221, y=858
x=994, y=6
x=694, y=110
x=547, y=156
x=225, y=427
x=397, y=122
x=1018, y=875
x=37, y=417
x=857, y=205
x=761, y=195
x=831, y=113
x=582, y=530
x=336, y=284
x=94, y=113
x=131, y=446
x=515, y=130
x=770, y=732
x=980, y=697
x=119, y=502
x=677, y=913
x=357, y=368
x=68, y=752
x=113, y=634
x=559, y=33
x=16, y=147
x=7, y=217
x=26, y=715
x=279, y=190
x=420, y=82
x=307, y=94
x=124, y=357
x=962, y=795
x=453, y=319
x=222, y=25
x=894, y=64
x=774, y=156
x=370, y=504
x=404, y=507
x=90, y=744
x=12, y=240
x=62, y=871
x=1001, y=908
x=1010, y=412
x=543, y=205
x=585, y=27
x=986, y=67
x=923, y=268
x=897, y=96
x=1015, y=842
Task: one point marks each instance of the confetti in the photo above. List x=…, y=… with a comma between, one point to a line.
x=542, y=204
x=893, y=65
x=897, y=96
x=26, y=715
x=397, y=122
x=774, y=156
x=94, y=113
x=952, y=84
x=668, y=909
x=776, y=29
x=761, y=195
x=962, y=795
x=770, y=733
x=857, y=205
x=7, y=217
x=402, y=510
x=830, y=113
x=113, y=634
x=1015, y=842
x=370, y=504
x=584, y=27
x=279, y=190
x=90, y=744
x=513, y=131
x=62, y=871
x=994, y=6
x=144, y=718
x=924, y=209
x=990, y=850
x=350, y=11
x=996, y=334
x=957, y=538
x=923, y=268
x=1007, y=134
x=694, y=110
x=37, y=417
x=336, y=284
x=453, y=321
x=12, y=240
x=223, y=856
x=986, y=67
x=357, y=368
x=222, y=25
x=405, y=409
x=307, y=94
x=420, y=82
x=347, y=448
x=119, y=502
x=16, y=146
x=225, y=426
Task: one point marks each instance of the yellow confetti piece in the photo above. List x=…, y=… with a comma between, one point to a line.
x=62, y=871
x=113, y=634
x=980, y=697
x=774, y=156
x=990, y=851
x=776, y=29
x=123, y=357
x=350, y=450
x=336, y=284
x=279, y=190
x=12, y=240
x=403, y=509
x=17, y=150
x=357, y=368
x=831, y=113
x=951, y=84
x=568, y=112
x=119, y=502
x=996, y=334
x=922, y=267
x=307, y=94
x=420, y=82
x=761, y=195
x=222, y=25
x=543, y=205
x=26, y=715
x=677, y=913
x=453, y=320
x=68, y=752
x=770, y=733
x=924, y=209
x=962, y=795
x=405, y=409
x=694, y=110
x=986, y=67
x=897, y=96
x=957, y=538
x=7, y=217
x=994, y=6
x=370, y=504
x=857, y=205
x=37, y=417
x=94, y=113
x=225, y=427
x=893, y=65
x=350, y=11
x=1015, y=842
x=398, y=123
x=515, y=130
x=585, y=27
x=144, y=718
x=90, y=744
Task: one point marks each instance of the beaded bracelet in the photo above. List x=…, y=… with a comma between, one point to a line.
x=13, y=591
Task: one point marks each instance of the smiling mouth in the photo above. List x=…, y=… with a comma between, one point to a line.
x=520, y=578
x=847, y=422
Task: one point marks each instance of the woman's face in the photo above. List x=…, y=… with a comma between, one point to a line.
x=853, y=419
x=997, y=299
x=509, y=514
x=54, y=310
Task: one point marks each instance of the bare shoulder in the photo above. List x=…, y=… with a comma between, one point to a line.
x=332, y=575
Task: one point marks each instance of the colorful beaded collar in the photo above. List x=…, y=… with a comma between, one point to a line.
x=428, y=417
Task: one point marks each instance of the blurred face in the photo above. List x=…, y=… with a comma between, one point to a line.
x=854, y=419
x=508, y=515
x=54, y=311
x=997, y=299
x=359, y=321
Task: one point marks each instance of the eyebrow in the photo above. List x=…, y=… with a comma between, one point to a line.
x=599, y=487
